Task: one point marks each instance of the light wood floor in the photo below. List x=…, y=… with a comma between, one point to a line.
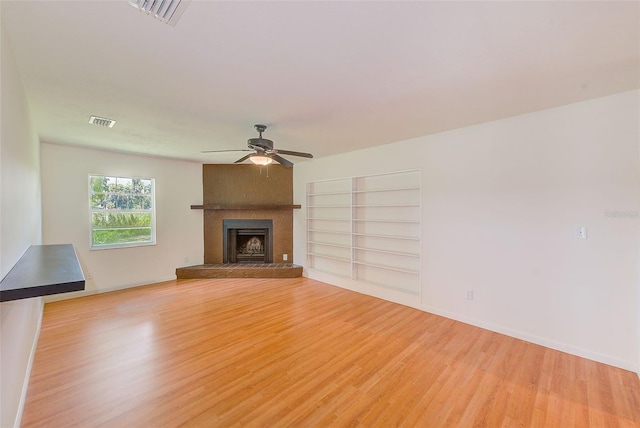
x=300, y=353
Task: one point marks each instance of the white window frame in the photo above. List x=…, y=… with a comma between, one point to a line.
x=93, y=210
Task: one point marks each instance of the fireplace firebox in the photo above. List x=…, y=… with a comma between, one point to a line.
x=247, y=241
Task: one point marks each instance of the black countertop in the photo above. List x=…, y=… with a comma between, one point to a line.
x=41, y=271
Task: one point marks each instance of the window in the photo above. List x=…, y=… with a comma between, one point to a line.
x=122, y=211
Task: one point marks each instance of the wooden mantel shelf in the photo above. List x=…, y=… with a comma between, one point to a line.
x=43, y=270
x=246, y=207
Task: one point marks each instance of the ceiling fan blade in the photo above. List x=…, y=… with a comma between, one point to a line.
x=281, y=160
x=291, y=153
x=243, y=158
x=220, y=151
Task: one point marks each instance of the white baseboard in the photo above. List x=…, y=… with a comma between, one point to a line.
x=548, y=343
x=368, y=289
x=72, y=295
x=409, y=301
x=136, y=284
x=27, y=376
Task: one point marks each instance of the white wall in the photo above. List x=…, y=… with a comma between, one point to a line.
x=500, y=204
x=65, y=208
x=20, y=227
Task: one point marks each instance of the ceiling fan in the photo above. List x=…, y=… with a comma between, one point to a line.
x=264, y=151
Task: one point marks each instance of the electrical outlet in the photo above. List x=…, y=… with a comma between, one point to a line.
x=285, y=257
x=468, y=294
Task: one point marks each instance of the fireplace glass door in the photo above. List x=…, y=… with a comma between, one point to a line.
x=248, y=241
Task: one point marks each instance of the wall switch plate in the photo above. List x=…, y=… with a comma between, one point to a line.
x=581, y=232
x=468, y=294
x=285, y=257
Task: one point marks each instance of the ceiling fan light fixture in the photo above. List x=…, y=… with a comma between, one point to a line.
x=260, y=159
x=264, y=154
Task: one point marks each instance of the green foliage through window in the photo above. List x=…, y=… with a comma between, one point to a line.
x=122, y=212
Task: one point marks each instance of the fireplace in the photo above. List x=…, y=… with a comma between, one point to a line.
x=247, y=241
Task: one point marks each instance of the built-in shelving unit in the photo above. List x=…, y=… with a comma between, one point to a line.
x=367, y=229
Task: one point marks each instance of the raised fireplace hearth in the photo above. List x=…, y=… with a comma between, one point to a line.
x=247, y=241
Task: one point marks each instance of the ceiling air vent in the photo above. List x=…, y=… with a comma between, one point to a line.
x=167, y=11
x=101, y=121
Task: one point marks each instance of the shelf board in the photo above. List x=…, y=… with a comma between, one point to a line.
x=43, y=270
x=393, y=268
x=328, y=219
x=329, y=245
x=341, y=275
x=245, y=207
x=397, y=253
x=322, y=256
x=388, y=206
x=373, y=235
x=347, y=192
x=335, y=232
x=379, y=220
x=391, y=189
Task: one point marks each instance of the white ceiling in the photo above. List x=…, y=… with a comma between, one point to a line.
x=326, y=76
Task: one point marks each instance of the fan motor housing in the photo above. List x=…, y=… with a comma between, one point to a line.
x=260, y=144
